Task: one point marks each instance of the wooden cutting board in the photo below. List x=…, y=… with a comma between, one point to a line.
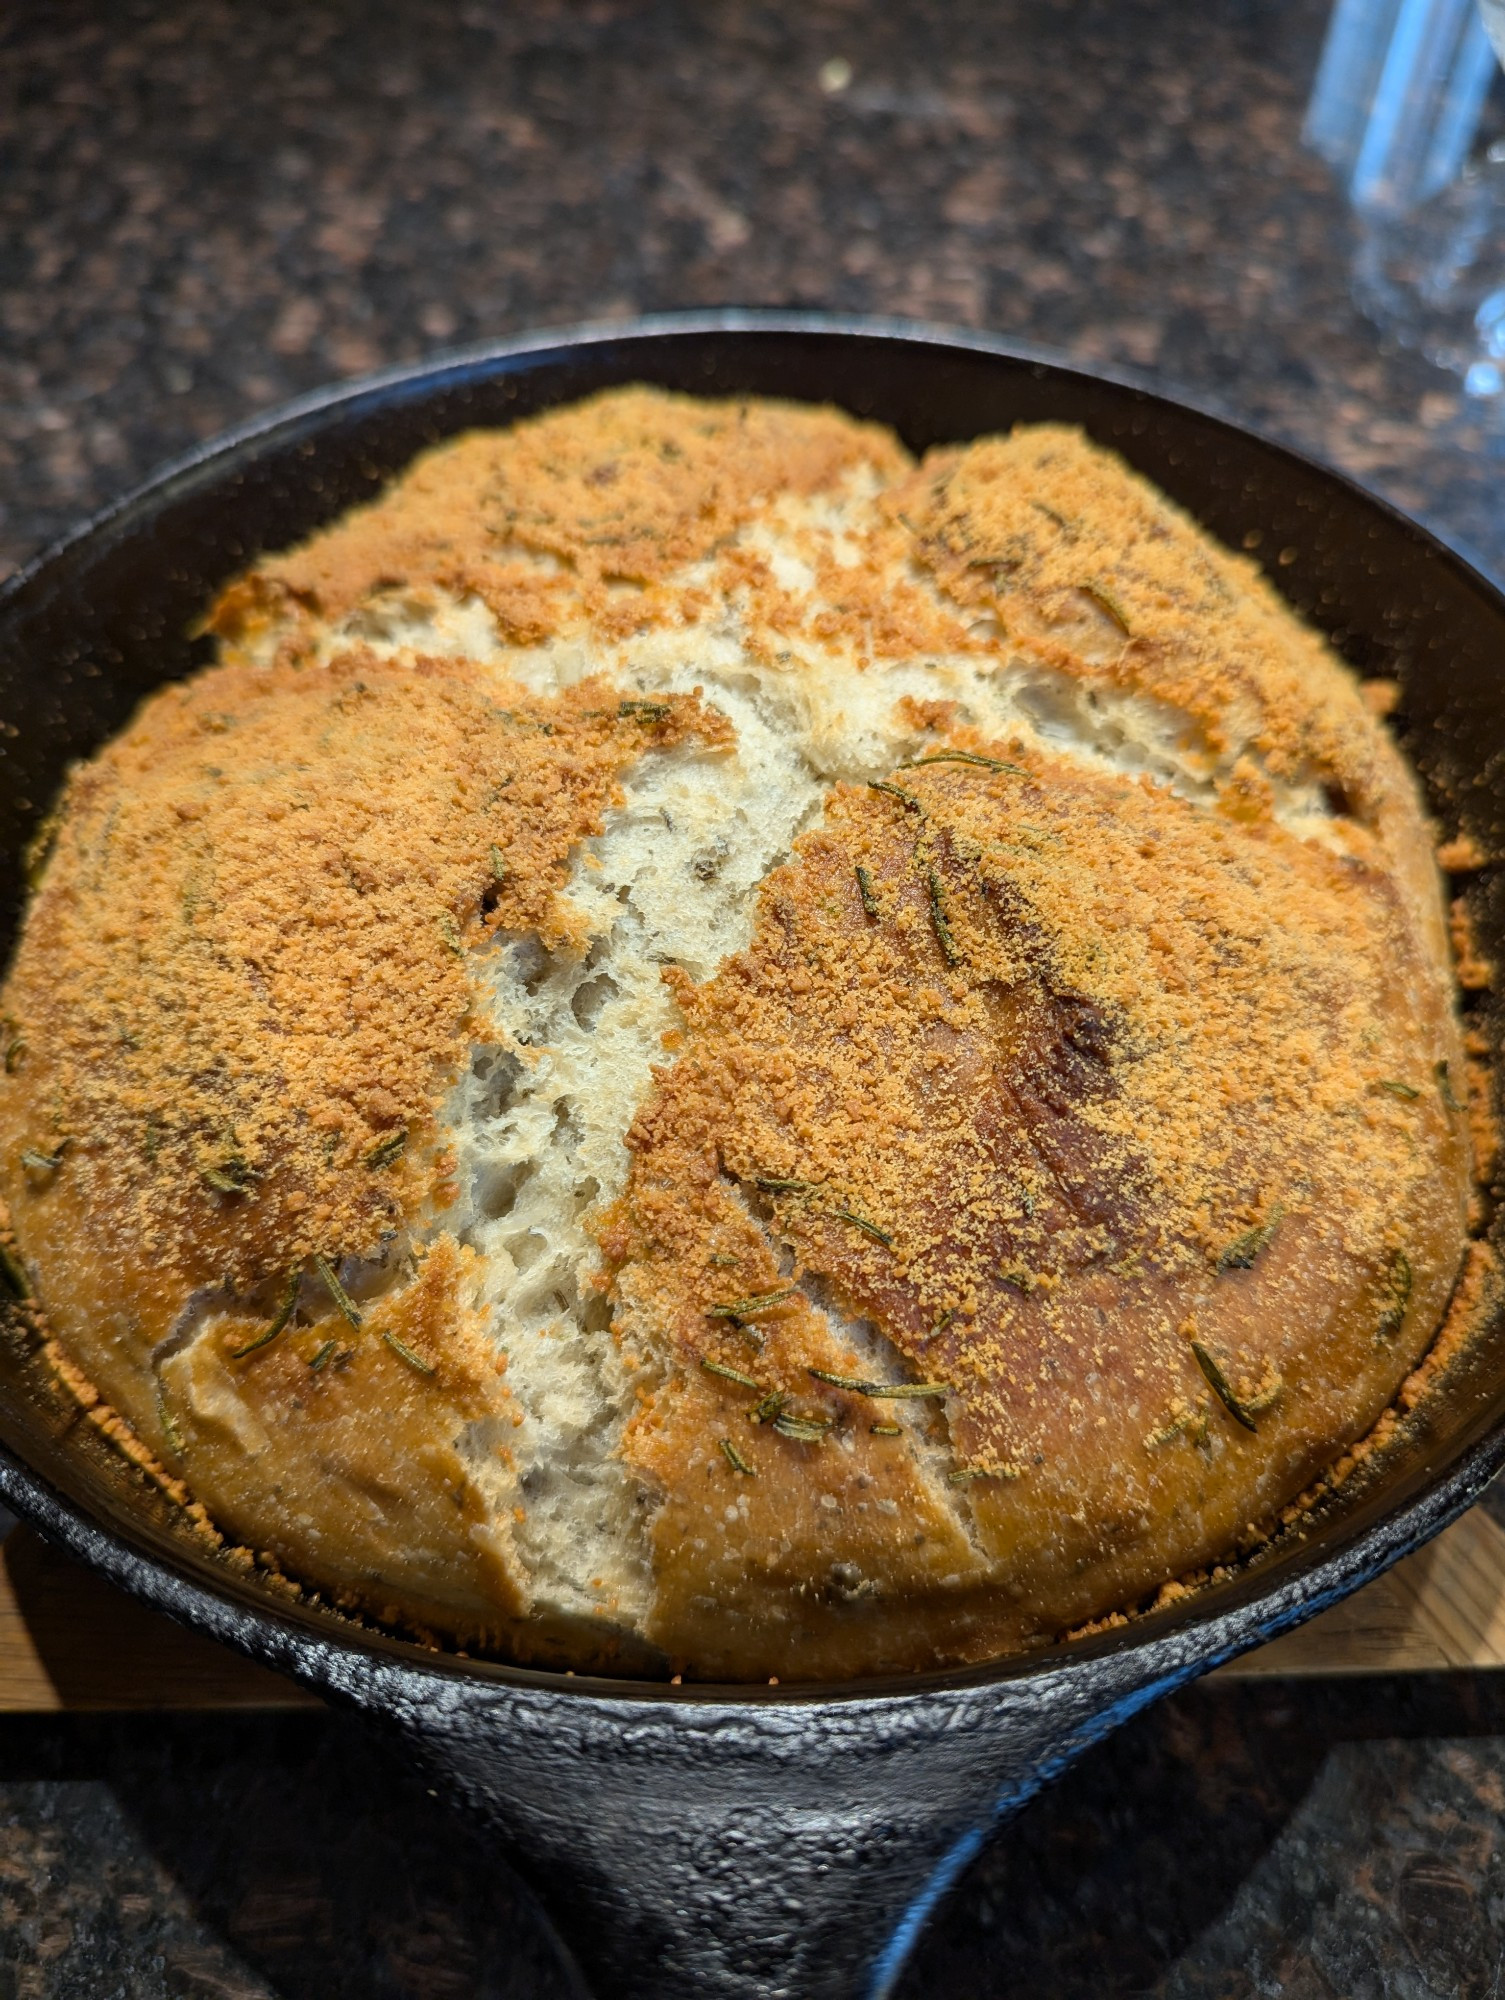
x=70, y=1641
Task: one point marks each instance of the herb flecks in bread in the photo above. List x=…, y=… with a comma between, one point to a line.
x=1148, y=1031
x=706, y=1046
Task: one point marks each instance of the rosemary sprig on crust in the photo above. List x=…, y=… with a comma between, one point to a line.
x=1222, y=1388
x=405, y=1353
x=1242, y=1251
x=1191, y=1424
x=385, y=1151
x=227, y=1171
x=906, y=799
x=748, y=1308
x=865, y=890
x=938, y=920
x=735, y=1459
x=284, y=1313
x=336, y=1291
x=1398, y=1283
x=1108, y=604
x=889, y=1391
x=165, y=1416
x=965, y=757
x=868, y=1228
x=729, y=1374
x=806, y=1430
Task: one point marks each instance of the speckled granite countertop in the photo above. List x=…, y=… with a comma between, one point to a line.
x=207, y=207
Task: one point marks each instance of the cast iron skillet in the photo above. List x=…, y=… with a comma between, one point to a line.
x=726, y=1841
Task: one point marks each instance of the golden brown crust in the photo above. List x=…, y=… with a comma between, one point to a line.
x=335, y=1447
x=543, y=521
x=238, y=998
x=242, y=985
x=1074, y=1098
x=1124, y=1118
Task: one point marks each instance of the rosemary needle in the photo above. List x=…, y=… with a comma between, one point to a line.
x=385, y=1151
x=906, y=799
x=337, y=1291
x=746, y=1308
x=938, y=920
x=735, y=1459
x=886, y=1430
x=1397, y=1089
x=808, y=1430
x=1107, y=603
x=1398, y=1282
x=865, y=891
x=888, y=1391
x=1242, y=1251
x=319, y=1360
x=284, y=1313
x=855, y=1384
x=405, y=1353
x=729, y=1374
x=769, y=1408
x=868, y=1228
x=228, y=1171
x=967, y=757
x=1222, y=1388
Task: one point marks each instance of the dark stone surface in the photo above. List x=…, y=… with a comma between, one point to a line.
x=205, y=208
x=272, y=1858
x=1341, y=1844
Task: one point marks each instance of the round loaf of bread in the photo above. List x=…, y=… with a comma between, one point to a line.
x=707, y=1050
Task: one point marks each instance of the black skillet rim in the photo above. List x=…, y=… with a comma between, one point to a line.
x=1206, y=1630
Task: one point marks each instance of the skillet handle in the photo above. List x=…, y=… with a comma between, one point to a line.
x=732, y=1851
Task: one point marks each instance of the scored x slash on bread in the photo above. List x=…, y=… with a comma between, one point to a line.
x=707, y=1049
